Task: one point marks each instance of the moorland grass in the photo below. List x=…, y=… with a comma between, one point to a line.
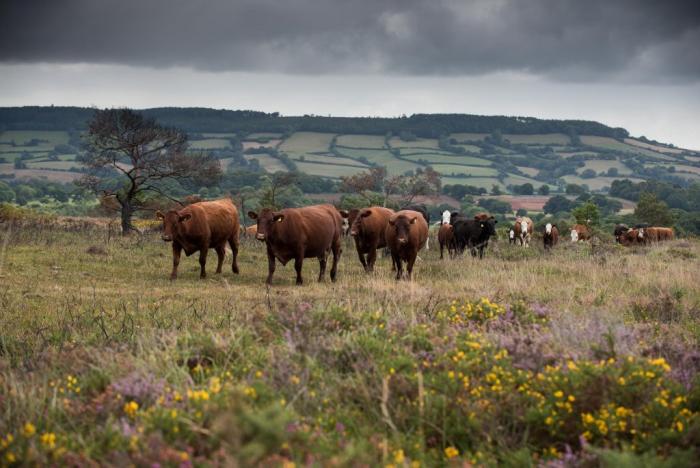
x=510, y=360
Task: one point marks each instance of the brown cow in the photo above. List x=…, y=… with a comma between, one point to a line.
x=631, y=237
x=580, y=232
x=368, y=230
x=251, y=231
x=299, y=233
x=406, y=234
x=199, y=227
x=445, y=239
x=655, y=234
x=550, y=236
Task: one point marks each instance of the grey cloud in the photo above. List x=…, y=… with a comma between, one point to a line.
x=571, y=40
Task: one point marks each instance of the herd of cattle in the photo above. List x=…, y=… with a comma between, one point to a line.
x=317, y=231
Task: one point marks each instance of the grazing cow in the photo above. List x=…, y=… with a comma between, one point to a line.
x=474, y=233
x=620, y=230
x=580, y=232
x=523, y=230
x=426, y=216
x=551, y=235
x=199, y=227
x=368, y=229
x=406, y=234
x=653, y=234
x=631, y=237
x=299, y=233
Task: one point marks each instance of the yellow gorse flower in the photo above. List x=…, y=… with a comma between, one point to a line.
x=451, y=452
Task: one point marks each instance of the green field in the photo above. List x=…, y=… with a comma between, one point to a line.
x=602, y=165
x=210, y=143
x=597, y=183
x=611, y=143
x=329, y=159
x=56, y=165
x=22, y=137
x=485, y=182
x=539, y=139
x=327, y=170
x=530, y=171
x=448, y=169
x=443, y=159
x=469, y=136
x=307, y=142
x=382, y=158
x=361, y=141
x=470, y=148
x=267, y=162
x=396, y=142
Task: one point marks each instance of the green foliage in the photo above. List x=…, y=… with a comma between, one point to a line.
x=587, y=214
x=558, y=204
x=651, y=210
x=543, y=190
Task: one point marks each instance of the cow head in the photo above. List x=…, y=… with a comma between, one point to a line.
x=523, y=228
x=402, y=226
x=267, y=220
x=454, y=216
x=488, y=224
x=511, y=234
x=620, y=231
x=446, y=215
x=357, y=225
x=172, y=223
x=548, y=228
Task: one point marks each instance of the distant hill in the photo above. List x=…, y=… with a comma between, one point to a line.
x=480, y=151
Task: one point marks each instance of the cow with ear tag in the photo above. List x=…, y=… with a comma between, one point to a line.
x=405, y=235
x=200, y=227
x=299, y=233
x=474, y=233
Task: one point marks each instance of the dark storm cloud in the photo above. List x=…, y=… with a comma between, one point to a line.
x=565, y=39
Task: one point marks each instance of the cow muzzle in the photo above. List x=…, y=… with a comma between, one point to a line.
x=166, y=238
x=353, y=233
x=402, y=240
x=260, y=237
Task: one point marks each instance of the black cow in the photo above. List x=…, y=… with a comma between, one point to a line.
x=474, y=233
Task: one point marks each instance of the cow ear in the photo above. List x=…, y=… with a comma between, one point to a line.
x=252, y=215
x=364, y=214
x=185, y=217
x=482, y=224
x=160, y=215
x=278, y=218
x=344, y=213
x=413, y=220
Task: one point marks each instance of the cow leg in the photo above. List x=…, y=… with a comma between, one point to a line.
x=362, y=256
x=203, y=261
x=442, y=246
x=322, y=260
x=371, y=258
x=177, y=249
x=221, y=254
x=270, y=266
x=409, y=265
x=298, y=262
x=336, y=250
x=233, y=243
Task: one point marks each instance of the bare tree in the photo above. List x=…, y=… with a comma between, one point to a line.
x=129, y=156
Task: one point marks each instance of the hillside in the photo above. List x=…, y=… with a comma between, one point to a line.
x=480, y=151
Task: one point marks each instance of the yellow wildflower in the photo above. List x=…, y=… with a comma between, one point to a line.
x=451, y=452
x=131, y=408
x=29, y=429
x=399, y=456
x=48, y=439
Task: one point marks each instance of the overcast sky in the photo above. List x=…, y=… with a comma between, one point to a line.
x=634, y=64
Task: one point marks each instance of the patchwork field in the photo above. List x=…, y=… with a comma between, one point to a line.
x=603, y=165
x=307, y=142
x=468, y=136
x=541, y=139
x=597, y=183
x=467, y=170
x=445, y=159
x=396, y=142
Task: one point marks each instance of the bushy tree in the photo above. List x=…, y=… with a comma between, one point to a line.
x=558, y=204
x=587, y=214
x=653, y=211
x=543, y=190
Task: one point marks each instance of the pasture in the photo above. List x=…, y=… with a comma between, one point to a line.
x=361, y=141
x=105, y=360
